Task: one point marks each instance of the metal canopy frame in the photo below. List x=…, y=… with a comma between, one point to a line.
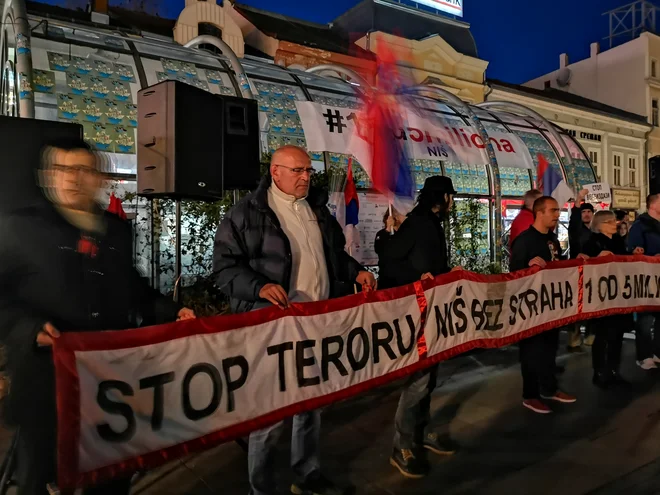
x=629, y=21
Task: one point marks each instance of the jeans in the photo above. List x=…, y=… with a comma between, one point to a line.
x=537, y=364
x=414, y=412
x=606, y=350
x=304, y=452
x=647, y=341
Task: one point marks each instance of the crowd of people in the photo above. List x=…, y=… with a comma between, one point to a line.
x=67, y=266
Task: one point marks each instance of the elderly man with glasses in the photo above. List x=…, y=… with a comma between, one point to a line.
x=280, y=245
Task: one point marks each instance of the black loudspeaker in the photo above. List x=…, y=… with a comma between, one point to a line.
x=21, y=145
x=193, y=144
x=654, y=175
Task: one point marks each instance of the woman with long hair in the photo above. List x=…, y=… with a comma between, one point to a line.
x=606, y=349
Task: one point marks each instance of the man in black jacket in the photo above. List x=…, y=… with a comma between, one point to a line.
x=278, y=245
x=579, y=233
x=65, y=266
x=419, y=250
x=536, y=247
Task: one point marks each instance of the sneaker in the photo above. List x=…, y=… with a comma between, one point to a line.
x=440, y=446
x=560, y=397
x=408, y=464
x=537, y=406
x=647, y=364
x=318, y=485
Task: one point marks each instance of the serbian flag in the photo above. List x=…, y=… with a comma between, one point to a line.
x=352, y=210
x=551, y=183
x=115, y=207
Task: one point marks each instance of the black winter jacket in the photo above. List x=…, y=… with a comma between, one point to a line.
x=45, y=278
x=251, y=249
x=578, y=233
x=418, y=247
x=645, y=233
x=600, y=242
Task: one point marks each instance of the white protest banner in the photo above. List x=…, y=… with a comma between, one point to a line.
x=136, y=399
x=427, y=136
x=600, y=195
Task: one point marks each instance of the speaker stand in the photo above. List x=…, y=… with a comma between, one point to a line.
x=177, y=264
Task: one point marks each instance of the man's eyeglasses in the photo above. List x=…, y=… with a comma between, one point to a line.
x=299, y=170
x=74, y=169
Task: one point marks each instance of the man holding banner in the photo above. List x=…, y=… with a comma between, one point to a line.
x=280, y=245
x=538, y=246
x=65, y=267
x=419, y=249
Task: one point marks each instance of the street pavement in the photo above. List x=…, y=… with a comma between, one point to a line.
x=607, y=443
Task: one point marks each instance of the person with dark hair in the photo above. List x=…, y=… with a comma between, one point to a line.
x=579, y=233
x=66, y=266
x=538, y=246
x=419, y=250
x=391, y=224
x=644, y=238
x=525, y=218
x=608, y=342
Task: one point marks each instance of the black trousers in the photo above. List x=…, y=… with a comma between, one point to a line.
x=608, y=342
x=537, y=364
x=37, y=460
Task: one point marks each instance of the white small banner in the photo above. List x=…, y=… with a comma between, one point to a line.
x=599, y=196
x=427, y=137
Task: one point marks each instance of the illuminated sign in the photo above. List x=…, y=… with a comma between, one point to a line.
x=454, y=7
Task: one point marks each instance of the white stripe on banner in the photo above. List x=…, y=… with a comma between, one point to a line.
x=139, y=398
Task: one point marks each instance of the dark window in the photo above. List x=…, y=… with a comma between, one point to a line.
x=547, y=85
x=212, y=30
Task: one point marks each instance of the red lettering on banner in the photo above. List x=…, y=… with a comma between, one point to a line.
x=478, y=141
x=508, y=147
x=416, y=135
x=494, y=141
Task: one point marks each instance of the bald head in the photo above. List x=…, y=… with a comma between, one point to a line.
x=291, y=169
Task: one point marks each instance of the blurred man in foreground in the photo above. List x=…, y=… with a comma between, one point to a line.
x=277, y=246
x=538, y=246
x=66, y=266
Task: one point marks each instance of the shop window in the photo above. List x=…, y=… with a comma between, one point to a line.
x=655, y=112
x=632, y=171
x=593, y=158
x=617, y=169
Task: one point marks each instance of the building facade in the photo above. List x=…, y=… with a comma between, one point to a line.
x=614, y=139
x=626, y=76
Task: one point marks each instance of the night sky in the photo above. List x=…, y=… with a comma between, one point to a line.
x=544, y=29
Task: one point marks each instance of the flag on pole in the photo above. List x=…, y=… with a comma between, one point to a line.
x=551, y=183
x=352, y=205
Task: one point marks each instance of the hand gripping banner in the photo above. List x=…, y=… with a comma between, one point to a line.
x=135, y=399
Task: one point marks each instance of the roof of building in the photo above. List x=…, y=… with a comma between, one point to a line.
x=124, y=19
x=407, y=22
x=283, y=28
x=572, y=100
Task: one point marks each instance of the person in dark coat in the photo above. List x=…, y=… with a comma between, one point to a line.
x=419, y=250
x=66, y=266
x=606, y=349
x=392, y=222
x=280, y=244
x=538, y=246
x=644, y=238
